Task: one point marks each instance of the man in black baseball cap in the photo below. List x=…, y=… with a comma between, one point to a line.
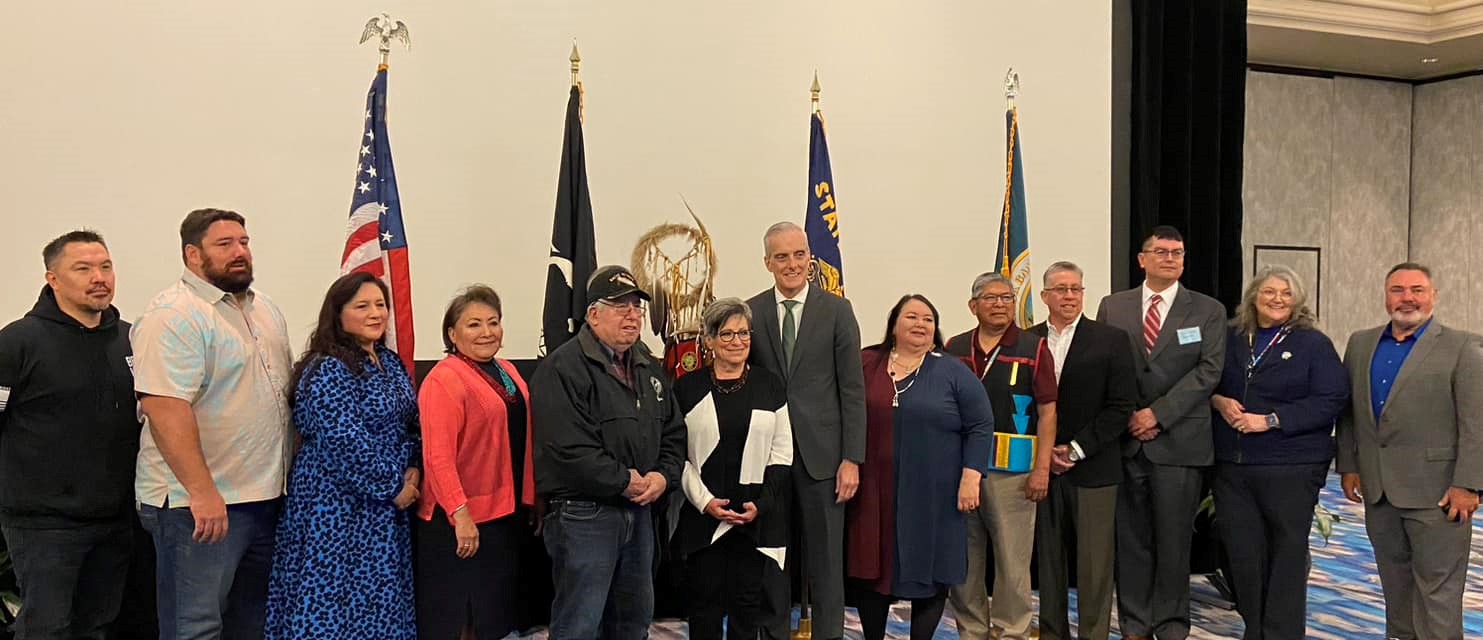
x=609, y=441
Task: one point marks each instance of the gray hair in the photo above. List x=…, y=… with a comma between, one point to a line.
x=1410, y=266
x=718, y=313
x=987, y=278
x=780, y=227
x=1302, y=316
x=1058, y=267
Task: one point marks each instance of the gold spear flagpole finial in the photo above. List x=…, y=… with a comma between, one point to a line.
x=1011, y=87
x=385, y=29
x=576, y=59
x=814, y=91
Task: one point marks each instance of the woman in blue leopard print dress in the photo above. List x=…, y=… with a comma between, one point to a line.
x=343, y=564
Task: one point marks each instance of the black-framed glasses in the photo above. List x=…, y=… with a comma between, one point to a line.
x=1066, y=291
x=729, y=336
x=1165, y=253
x=1006, y=298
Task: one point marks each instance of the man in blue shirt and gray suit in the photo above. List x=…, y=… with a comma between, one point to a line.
x=1411, y=449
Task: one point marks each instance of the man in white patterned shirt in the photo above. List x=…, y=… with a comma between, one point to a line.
x=212, y=363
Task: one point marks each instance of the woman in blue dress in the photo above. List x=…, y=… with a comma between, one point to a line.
x=928, y=426
x=343, y=564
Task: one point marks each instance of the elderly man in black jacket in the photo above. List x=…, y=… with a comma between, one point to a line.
x=609, y=441
x=69, y=431
x=1098, y=391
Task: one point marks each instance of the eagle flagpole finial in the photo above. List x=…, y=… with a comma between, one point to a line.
x=387, y=29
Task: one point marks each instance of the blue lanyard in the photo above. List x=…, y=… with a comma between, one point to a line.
x=1256, y=358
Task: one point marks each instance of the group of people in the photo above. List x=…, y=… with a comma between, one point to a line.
x=284, y=497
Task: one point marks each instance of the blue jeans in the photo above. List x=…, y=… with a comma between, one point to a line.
x=209, y=591
x=71, y=579
x=602, y=564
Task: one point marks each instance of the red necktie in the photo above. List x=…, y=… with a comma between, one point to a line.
x=1151, y=323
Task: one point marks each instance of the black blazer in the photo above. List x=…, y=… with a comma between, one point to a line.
x=1098, y=391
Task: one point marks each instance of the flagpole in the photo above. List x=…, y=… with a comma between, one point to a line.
x=1011, y=88
x=576, y=59
x=814, y=91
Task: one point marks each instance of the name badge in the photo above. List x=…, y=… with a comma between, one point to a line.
x=1189, y=335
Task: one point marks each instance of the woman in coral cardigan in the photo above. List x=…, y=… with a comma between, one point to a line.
x=477, y=487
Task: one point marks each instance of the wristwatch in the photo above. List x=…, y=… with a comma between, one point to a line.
x=1273, y=423
x=1074, y=453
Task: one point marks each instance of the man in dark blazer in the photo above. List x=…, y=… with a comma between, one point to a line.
x=1098, y=392
x=1177, y=338
x=1411, y=448
x=810, y=339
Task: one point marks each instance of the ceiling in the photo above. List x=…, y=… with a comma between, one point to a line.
x=1401, y=39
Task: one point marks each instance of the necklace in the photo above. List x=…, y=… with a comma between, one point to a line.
x=733, y=385
x=896, y=387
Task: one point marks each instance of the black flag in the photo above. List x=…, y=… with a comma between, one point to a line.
x=573, y=248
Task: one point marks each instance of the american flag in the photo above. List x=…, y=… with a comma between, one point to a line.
x=376, y=241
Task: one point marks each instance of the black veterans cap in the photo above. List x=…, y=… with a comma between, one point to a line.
x=612, y=282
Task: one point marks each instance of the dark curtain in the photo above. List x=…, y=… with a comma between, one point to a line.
x=1179, y=71
x=1188, y=106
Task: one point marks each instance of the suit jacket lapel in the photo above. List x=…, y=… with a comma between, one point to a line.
x=767, y=323
x=1413, y=362
x=812, y=309
x=1178, y=313
x=1359, y=375
x=1079, y=344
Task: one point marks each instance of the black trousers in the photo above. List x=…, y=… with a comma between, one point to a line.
x=72, y=580
x=481, y=590
x=1264, y=513
x=730, y=580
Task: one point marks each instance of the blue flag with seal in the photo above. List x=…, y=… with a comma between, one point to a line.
x=821, y=220
x=1012, y=255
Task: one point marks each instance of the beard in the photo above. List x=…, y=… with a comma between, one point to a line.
x=1407, y=318
x=221, y=276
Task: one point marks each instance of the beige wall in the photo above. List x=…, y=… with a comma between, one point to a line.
x=123, y=116
x=1447, y=196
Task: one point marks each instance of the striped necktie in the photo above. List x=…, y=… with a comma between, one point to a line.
x=1151, y=323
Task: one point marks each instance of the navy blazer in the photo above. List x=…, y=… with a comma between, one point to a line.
x=1302, y=380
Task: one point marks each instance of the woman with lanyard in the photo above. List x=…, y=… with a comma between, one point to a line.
x=1281, y=390
x=478, y=489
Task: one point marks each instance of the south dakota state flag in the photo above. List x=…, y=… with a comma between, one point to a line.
x=1012, y=256
x=821, y=220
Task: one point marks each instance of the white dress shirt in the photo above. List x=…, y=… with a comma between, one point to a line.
x=1060, y=343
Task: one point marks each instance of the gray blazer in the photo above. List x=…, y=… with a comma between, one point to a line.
x=1430, y=433
x=826, y=384
x=1175, y=380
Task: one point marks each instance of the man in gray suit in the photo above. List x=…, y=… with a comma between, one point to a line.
x=810, y=339
x=1411, y=448
x=1178, y=338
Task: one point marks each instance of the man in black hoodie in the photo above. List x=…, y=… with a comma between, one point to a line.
x=69, y=433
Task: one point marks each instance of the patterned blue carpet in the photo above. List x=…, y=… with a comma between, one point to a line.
x=1344, y=601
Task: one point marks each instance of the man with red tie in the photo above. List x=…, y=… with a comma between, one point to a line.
x=1178, y=342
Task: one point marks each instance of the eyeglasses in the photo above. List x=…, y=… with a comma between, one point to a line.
x=1273, y=293
x=624, y=307
x=1006, y=298
x=1165, y=253
x=1065, y=291
x=728, y=336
